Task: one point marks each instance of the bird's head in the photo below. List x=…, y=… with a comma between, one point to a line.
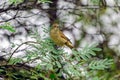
x=55, y=25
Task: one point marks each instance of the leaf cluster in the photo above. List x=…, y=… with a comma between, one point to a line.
x=51, y=62
x=8, y=26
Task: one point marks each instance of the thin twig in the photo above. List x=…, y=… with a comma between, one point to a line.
x=19, y=47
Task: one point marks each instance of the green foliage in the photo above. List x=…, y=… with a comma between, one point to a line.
x=45, y=1
x=95, y=2
x=20, y=73
x=8, y=27
x=15, y=61
x=52, y=59
x=95, y=78
x=87, y=52
x=15, y=1
x=53, y=62
x=101, y=64
x=19, y=1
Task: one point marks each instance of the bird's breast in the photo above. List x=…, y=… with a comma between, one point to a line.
x=55, y=35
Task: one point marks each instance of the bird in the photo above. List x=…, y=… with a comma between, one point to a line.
x=58, y=37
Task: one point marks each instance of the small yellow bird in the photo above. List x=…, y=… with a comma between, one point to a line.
x=58, y=37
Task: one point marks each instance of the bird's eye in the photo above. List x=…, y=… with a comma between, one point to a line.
x=54, y=26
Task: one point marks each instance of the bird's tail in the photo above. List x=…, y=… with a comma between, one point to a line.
x=69, y=44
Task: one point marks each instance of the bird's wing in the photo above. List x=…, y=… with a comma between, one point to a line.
x=63, y=36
